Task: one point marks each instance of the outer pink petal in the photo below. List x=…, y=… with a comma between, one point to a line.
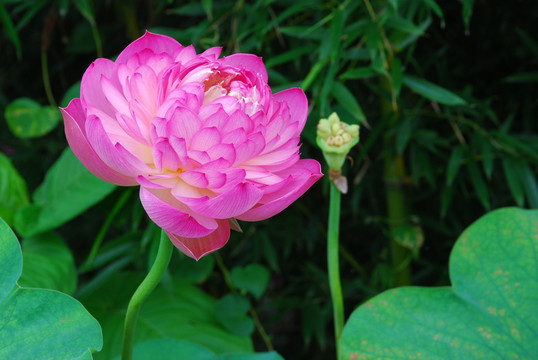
x=311, y=172
x=201, y=246
x=74, y=119
x=226, y=205
x=166, y=212
x=298, y=105
x=249, y=62
x=155, y=42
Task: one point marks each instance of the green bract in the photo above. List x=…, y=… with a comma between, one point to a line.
x=335, y=138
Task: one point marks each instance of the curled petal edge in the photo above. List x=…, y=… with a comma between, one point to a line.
x=275, y=206
x=84, y=151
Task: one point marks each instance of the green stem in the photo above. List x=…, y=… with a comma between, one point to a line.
x=46, y=79
x=144, y=289
x=396, y=197
x=96, y=38
x=332, y=261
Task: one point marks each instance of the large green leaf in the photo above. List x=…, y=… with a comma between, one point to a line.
x=13, y=193
x=48, y=264
x=181, y=312
x=27, y=119
x=171, y=349
x=231, y=312
x=68, y=190
x=488, y=313
x=255, y=356
x=37, y=323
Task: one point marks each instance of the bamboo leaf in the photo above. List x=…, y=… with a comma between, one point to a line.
x=432, y=91
x=479, y=184
x=345, y=98
x=358, y=73
x=467, y=11
x=404, y=25
x=10, y=30
x=454, y=163
x=487, y=158
x=396, y=74
x=513, y=180
x=528, y=178
x=403, y=134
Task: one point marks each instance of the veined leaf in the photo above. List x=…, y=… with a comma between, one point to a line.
x=48, y=264
x=38, y=323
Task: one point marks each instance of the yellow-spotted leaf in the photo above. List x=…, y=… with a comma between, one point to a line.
x=489, y=312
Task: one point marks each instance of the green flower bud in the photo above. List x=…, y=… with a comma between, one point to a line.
x=335, y=138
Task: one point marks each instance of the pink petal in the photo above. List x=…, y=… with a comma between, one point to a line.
x=304, y=174
x=173, y=216
x=112, y=155
x=154, y=42
x=250, y=148
x=144, y=87
x=229, y=204
x=214, y=115
x=213, y=179
x=91, y=91
x=225, y=151
x=298, y=105
x=158, y=181
x=212, y=53
x=205, y=138
x=249, y=62
x=116, y=134
x=283, y=155
x=114, y=96
x=164, y=155
x=74, y=119
x=238, y=120
x=183, y=123
x=201, y=246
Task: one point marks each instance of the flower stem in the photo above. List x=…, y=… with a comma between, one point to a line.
x=332, y=261
x=144, y=289
x=46, y=79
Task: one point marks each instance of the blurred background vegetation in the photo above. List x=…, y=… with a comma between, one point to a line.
x=445, y=93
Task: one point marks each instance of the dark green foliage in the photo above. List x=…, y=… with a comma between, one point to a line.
x=449, y=87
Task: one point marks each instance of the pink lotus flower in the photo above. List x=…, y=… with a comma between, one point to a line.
x=204, y=137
